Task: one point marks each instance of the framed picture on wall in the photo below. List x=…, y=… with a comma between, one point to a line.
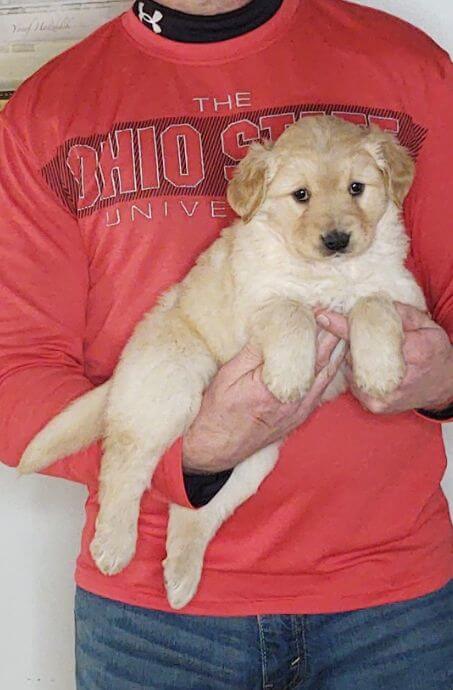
x=32, y=32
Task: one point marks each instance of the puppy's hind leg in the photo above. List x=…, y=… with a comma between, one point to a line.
x=190, y=531
x=125, y=474
x=155, y=396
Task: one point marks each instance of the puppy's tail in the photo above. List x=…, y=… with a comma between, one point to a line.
x=75, y=428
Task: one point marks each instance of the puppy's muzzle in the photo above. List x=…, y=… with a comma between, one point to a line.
x=336, y=241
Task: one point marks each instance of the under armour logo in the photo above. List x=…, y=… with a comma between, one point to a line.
x=153, y=20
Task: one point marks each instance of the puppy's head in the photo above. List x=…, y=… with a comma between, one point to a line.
x=325, y=184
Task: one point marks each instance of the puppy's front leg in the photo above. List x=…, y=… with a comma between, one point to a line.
x=376, y=334
x=286, y=332
x=190, y=531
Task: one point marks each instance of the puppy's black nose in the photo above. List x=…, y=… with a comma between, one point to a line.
x=336, y=241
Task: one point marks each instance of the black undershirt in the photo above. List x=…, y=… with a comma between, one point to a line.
x=196, y=28
x=200, y=488
x=439, y=415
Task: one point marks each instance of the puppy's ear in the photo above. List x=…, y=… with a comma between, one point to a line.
x=394, y=161
x=247, y=189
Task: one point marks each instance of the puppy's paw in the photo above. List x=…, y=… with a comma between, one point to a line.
x=182, y=572
x=379, y=373
x=113, y=546
x=289, y=377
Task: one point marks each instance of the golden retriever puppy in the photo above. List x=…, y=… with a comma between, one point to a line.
x=320, y=225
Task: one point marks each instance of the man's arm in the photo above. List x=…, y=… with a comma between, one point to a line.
x=428, y=384
x=429, y=209
x=44, y=284
x=430, y=213
x=43, y=291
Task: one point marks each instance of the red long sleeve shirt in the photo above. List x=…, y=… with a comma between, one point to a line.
x=114, y=160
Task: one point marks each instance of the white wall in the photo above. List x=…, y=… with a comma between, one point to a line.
x=41, y=518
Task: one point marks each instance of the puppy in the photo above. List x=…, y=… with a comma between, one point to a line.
x=320, y=225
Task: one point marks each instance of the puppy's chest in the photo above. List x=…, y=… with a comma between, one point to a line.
x=338, y=288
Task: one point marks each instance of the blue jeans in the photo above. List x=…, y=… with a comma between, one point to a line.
x=402, y=646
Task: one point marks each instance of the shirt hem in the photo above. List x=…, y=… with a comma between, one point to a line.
x=304, y=604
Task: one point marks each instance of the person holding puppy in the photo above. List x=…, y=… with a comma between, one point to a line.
x=338, y=571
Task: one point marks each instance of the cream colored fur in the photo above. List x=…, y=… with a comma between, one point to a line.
x=259, y=281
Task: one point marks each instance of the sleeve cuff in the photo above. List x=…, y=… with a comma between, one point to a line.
x=168, y=479
x=173, y=485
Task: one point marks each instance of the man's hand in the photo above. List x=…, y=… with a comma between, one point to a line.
x=428, y=354
x=239, y=416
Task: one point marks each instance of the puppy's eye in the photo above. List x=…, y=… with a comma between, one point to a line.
x=302, y=195
x=356, y=188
